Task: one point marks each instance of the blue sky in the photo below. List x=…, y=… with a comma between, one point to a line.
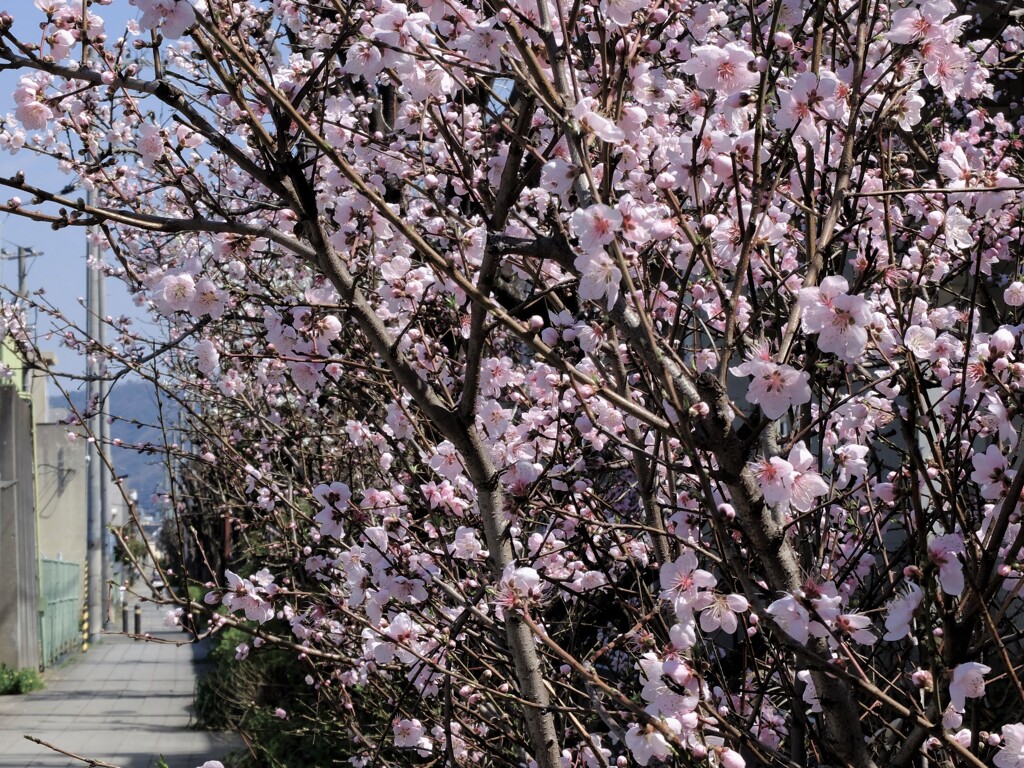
x=61, y=270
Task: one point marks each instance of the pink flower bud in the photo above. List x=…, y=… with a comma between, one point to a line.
x=1002, y=341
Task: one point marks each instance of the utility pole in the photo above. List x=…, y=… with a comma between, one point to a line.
x=106, y=478
x=22, y=256
x=26, y=376
x=22, y=272
x=99, y=478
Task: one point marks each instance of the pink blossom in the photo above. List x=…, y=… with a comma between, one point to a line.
x=646, y=742
x=728, y=69
x=850, y=461
x=920, y=341
x=620, y=12
x=175, y=293
x=856, y=626
x=990, y=472
x=32, y=110
x=791, y=617
x=957, y=229
x=410, y=734
x=911, y=25
x=810, y=695
x=599, y=278
x=364, y=59
x=208, y=358
x=173, y=17
x=719, y=611
x=775, y=478
x=209, y=299
x=596, y=227
x=446, y=461
x=775, y=388
x=900, y=613
x=670, y=686
x=729, y=758
x=34, y=116
x=467, y=546
x=150, y=143
x=804, y=103
x=681, y=579
x=248, y=596
x=1013, y=295
x=519, y=584
x=840, y=320
x=307, y=376
x=1011, y=752
x=943, y=551
x=334, y=500
x=946, y=67
x=592, y=121
x=968, y=683
x=806, y=483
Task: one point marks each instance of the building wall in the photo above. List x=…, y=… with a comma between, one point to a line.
x=19, y=572
x=61, y=494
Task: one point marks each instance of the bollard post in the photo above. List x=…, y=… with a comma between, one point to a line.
x=124, y=618
x=138, y=619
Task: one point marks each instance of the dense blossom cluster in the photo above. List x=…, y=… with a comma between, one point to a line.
x=629, y=381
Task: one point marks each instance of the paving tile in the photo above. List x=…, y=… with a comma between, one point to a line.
x=126, y=702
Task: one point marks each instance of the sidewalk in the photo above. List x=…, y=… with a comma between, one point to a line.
x=125, y=702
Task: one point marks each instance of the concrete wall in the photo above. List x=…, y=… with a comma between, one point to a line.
x=61, y=494
x=19, y=566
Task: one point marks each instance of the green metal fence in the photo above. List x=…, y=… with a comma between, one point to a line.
x=61, y=605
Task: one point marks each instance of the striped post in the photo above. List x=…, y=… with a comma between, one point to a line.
x=85, y=610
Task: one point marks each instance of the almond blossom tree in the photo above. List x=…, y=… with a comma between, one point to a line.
x=599, y=383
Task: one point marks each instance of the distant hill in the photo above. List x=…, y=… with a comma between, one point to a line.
x=133, y=407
